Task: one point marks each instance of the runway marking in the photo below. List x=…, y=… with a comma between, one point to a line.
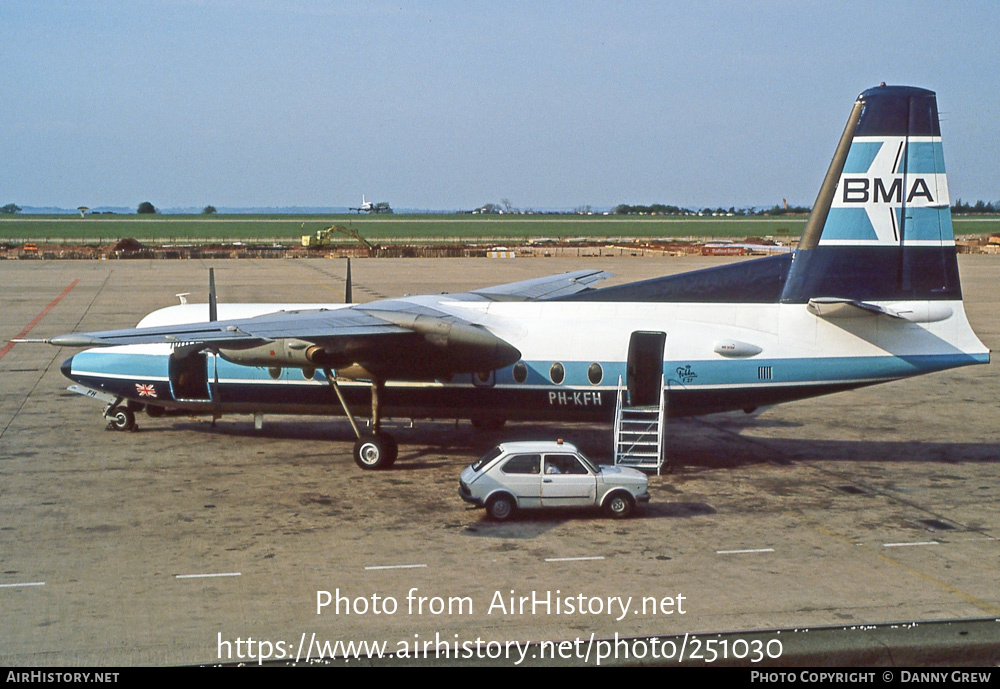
x=746, y=550
x=207, y=576
x=26, y=583
x=903, y=545
x=394, y=566
x=573, y=559
x=32, y=324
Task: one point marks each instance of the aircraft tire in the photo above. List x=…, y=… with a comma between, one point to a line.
x=619, y=505
x=501, y=507
x=122, y=420
x=374, y=452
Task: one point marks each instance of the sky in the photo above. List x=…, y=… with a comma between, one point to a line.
x=450, y=105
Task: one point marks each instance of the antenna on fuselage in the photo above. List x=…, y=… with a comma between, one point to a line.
x=347, y=292
x=213, y=305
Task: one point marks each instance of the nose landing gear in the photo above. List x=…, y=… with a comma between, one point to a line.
x=120, y=417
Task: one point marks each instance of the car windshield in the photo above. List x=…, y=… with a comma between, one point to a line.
x=590, y=465
x=487, y=458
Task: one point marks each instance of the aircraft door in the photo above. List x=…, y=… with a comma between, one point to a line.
x=189, y=377
x=645, y=368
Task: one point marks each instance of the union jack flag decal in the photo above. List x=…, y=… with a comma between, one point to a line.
x=145, y=390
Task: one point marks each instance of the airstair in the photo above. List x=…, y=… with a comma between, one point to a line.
x=639, y=432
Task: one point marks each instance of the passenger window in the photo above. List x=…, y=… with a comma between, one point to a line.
x=557, y=374
x=564, y=464
x=595, y=374
x=523, y=464
x=520, y=372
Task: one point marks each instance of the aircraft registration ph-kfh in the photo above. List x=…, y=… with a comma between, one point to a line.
x=871, y=294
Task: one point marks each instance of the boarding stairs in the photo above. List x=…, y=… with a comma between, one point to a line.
x=639, y=432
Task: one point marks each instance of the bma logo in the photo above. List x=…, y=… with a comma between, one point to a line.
x=861, y=190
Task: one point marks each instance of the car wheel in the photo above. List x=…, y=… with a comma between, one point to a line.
x=375, y=451
x=500, y=507
x=619, y=505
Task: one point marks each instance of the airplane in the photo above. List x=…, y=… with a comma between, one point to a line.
x=871, y=294
x=366, y=206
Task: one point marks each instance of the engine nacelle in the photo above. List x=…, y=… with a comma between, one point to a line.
x=280, y=353
x=432, y=349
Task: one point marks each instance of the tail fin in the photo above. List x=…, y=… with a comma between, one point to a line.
x=881, y=226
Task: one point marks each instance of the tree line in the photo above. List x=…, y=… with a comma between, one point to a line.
x=960, y=207
x=667, y=209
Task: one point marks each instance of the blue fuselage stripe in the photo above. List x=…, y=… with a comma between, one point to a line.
x=706, y=385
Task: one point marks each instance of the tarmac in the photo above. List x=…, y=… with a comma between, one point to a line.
x=871, y=516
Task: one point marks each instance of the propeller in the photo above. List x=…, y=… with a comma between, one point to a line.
x=347, y=292
x=213, y=305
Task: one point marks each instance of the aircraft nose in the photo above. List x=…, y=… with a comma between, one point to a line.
x=67, y=368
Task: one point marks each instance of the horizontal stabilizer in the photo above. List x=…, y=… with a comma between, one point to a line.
x=544, y=288
x=913, y=311
x=834, y=307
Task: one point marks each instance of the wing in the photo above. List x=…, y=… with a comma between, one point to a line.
x=393, y=339
x=239, y=333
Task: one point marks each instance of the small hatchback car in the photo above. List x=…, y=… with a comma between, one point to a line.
x=524, y=475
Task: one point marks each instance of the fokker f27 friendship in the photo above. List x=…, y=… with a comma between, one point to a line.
x=871, y=294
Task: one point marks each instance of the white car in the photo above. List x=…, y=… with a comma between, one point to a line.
x=525, y=475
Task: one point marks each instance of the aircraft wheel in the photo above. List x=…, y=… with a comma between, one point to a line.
x=501, y=507
x=122, y=420
x=619, y=505
x=375, y=451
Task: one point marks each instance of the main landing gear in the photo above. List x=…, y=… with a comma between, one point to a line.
x=377, y=450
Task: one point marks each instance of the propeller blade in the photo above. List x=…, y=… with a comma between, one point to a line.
x=347, y=292
x=213, y=306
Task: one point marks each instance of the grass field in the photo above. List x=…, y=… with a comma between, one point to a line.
x=404, y=228
x=381, y=228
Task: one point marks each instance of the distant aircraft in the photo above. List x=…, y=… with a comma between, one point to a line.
x=871, y=294
x=366, y=206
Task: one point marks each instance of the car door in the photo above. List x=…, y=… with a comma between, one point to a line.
x=566, y=482
x=521, y=475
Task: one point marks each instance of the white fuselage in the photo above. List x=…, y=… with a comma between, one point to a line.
x=715, y=357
